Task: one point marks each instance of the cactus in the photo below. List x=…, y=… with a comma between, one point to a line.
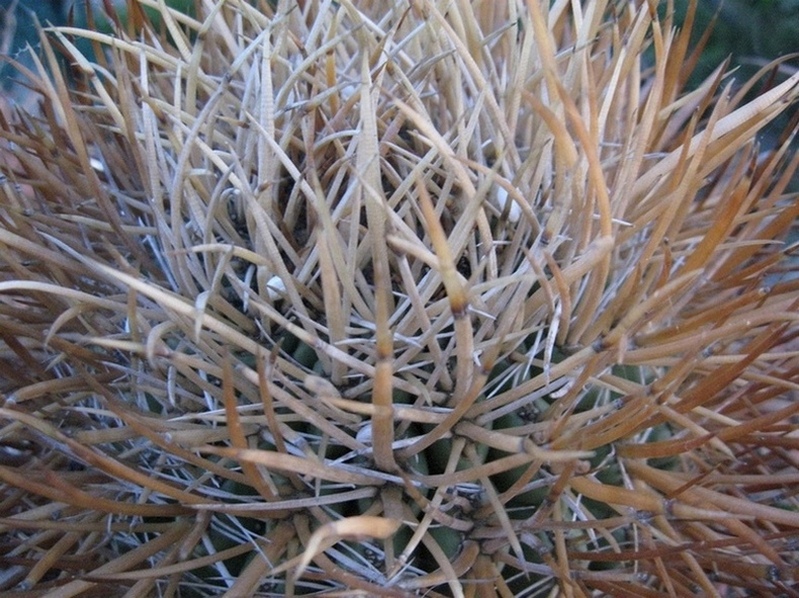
x=396, y=299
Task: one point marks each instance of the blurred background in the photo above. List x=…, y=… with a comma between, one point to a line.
x=751, y=32
x=18, y=31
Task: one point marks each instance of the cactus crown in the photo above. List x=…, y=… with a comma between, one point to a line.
x=427, y=298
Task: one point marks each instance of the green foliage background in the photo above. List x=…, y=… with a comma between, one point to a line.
x=751, y=32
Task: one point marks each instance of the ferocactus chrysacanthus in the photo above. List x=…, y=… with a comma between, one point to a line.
x=406, y=298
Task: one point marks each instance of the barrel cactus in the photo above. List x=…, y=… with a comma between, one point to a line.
x=394, y=299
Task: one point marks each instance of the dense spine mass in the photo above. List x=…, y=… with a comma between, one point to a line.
x=402, y=298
